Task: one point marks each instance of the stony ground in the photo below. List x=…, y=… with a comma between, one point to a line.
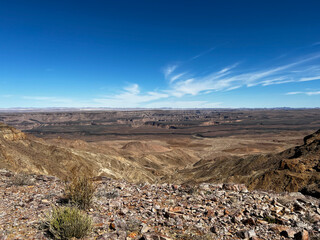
x=123, y=210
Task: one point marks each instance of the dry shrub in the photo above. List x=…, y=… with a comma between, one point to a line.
x=103, y=193
x=21, y=179
x=80, y=191
x=133, y=225
x=68, y=222
x=186, y=236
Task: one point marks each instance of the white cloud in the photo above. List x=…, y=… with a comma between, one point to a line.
x=181, y=86
x=225, y=80
x=293, y=93
x=233, y=88
x=278, y=80
x=169, y=69
x=203, y=53
x=47, y=99
x=306, y=79
x=306, y=93
x=184, y=104
x=6, y=96
x=313, y=93
x=227, y=69
x=130, y=97
x=133, y=89
x=176, y=77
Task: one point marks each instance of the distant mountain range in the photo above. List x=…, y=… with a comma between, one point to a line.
x=67, y=109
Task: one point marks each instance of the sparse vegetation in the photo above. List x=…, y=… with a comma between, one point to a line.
x=208, y=192
x=68, y=222
x=80, y=191
x=133, y=225
x=21, y=179
x=191, y=189
x=190, y=236
x=271, y=220
x=107, y=194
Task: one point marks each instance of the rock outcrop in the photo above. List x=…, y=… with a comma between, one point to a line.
x=10, y=133
x=312, y=137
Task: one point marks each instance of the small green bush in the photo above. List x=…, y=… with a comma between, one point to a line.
x=133, y=225
x=271, y=220
x=80, y=191
x=190, y=236
x=68, y=222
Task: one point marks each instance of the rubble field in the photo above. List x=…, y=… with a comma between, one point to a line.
x=124, y=210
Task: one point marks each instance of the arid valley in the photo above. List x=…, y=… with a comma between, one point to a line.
x=157, y=145
x=271, y=152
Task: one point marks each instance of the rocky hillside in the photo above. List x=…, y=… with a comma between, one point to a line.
x=123, y=210
x=20, y=152
x=135, y=161
x=295, y=169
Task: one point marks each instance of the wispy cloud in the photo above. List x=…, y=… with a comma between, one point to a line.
x=293, y=93
x=169, y=69
x=6, y=96
x=227, y=79
x=176, y=77
x=133, y=89
x=203, y=53
x=184, y=104
x=130, y=97
x=182, y=87
x=305, y=93
x=47, y=99
x=306, y=79
x=227, y=69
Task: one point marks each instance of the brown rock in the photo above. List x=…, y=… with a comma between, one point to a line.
x=176, y=209
x=288, y=233
x=255, y=238
x=249, y=221
x=246, y=234
x=303, y=235
x=210, y=213
x=112, y=226
x=279, y=228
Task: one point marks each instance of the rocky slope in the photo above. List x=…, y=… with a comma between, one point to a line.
x=127, y=211
x=135, y=161
x=295, y=169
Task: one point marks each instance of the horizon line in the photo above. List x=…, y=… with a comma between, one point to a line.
x=62, y=109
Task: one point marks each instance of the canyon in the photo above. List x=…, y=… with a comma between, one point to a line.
x=181, y=174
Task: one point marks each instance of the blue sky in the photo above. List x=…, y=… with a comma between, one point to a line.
x=180, y=54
